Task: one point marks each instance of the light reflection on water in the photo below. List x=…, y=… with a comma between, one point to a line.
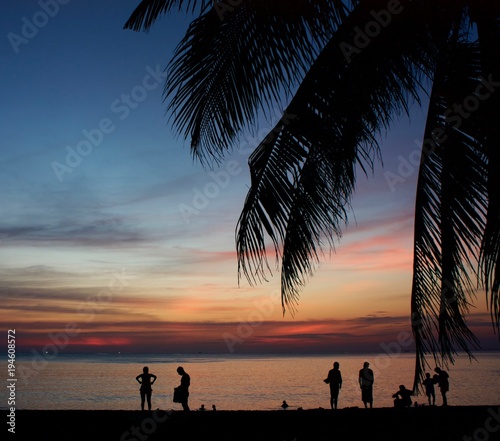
x=238, y=382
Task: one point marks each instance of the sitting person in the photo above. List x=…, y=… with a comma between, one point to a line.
x=402, y=397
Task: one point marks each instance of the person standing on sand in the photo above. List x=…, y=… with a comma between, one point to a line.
x=183, y=388
x=366, y=380
x=334, y=379
x=428, y=383
x=144, y=380
x=443, y=383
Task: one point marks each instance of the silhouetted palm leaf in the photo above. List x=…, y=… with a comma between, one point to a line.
x=303, y=174
x=223, y=71
x=488, y=20
x=149, y=11
x=450, y=212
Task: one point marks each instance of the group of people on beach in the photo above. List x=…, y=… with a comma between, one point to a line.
x=181, y=392
x=366, y=378
x=402, y=397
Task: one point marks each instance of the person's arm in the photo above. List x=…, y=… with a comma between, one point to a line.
x=154, y=378
x=340, y=381
x=138, y=379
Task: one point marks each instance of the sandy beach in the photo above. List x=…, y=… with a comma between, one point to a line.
x=387, y=424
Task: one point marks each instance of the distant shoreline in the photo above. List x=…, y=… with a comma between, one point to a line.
x=28, y=353
x=388, y=424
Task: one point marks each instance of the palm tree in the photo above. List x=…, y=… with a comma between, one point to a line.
x=347, y=71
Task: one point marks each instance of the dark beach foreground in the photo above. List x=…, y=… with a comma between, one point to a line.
x=422, y=423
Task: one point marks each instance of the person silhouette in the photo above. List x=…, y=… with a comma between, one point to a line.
x=144, y=380
x=284, y=405
x=402, y=398
x=334, y=379
x=213, y=407
x=428, y=383
x=202, y=408
x=183, y=388
x=443, y=383
x=366, y=380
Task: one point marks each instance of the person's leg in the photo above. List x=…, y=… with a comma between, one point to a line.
x=445, y=400
x=185, y=405
x=143, y=398
x=149, y=400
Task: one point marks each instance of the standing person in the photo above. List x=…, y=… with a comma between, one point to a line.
x=144, y=380
x=183, y=388
x=366, y=380
x=334, y=379
x=428, y=383
x=443, y=383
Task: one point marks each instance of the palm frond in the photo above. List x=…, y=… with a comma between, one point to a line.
x=224, y=71
x=449, y=214
x=148, y=11
x=487, y=17
x=303, y=174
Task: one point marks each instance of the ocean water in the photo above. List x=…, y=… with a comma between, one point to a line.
x=234, y=382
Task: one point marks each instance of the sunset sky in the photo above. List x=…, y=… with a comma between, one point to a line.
x=110, y=228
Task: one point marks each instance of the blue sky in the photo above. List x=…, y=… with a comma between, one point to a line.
x=95, y=183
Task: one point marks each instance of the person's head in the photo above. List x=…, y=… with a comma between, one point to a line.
x=336, y=365
x=427, y=375
x=437, y=370
x=180, y=370
x=401, y=387
x=145, y=369
x=366, y=364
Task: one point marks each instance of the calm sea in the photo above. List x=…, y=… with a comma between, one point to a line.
x=234, y=382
